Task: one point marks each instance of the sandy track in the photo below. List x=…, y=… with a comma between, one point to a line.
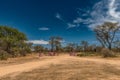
x=55, y=60
x=28, y=66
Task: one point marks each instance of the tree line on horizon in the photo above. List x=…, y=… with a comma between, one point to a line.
x=12, y=42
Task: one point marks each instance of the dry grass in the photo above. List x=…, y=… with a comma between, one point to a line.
x=19, y=60
x=22, y=60
x=71, y=70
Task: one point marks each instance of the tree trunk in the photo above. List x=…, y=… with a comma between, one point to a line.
x=110, y=47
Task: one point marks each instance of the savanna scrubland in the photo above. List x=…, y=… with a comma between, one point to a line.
x=21, y=60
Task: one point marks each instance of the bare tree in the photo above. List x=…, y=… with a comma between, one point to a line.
x=106, y=33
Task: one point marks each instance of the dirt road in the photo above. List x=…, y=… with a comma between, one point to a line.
x=54, y=60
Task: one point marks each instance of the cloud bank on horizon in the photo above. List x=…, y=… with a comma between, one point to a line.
x=38, y=42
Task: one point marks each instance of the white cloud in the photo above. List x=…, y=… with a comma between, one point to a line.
x=112, y=9
x=38, y=42
x=58, y=16
x=103, y=11
x=71, y=25
x=44, y=29
x=78, y=20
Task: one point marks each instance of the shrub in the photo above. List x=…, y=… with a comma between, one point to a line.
x=28, y=50
x=86, y=54
x=107, y=53
x=3, y=55
x=23, y=53
x=81, y=55
x=14, y=52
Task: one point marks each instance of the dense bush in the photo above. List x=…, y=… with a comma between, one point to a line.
x=3, y=55
x=13, y=42
x=15, y=52
x=107, y=53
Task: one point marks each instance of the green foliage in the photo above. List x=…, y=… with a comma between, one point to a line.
x=28, y=50
x=3, y=55
x=11, y=37
x=11, y=33
x=23, y=52
x=38, y=48
x=12, y=41
x=15, y=52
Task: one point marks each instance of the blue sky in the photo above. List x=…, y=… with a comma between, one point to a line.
x=73, y=20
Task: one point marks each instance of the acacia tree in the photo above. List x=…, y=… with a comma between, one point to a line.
x=106, y=33
x=55, y=43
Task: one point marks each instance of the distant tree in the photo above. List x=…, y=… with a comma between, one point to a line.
x=38, y=48
x=52, y=43
x=70, y=47
x=58, y=41
x=78, y=48
x=106, y=33
x=91, y=48
x=84, y=44
x=55, y=43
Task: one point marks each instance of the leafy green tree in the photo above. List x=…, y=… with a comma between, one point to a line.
x=11, y=38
